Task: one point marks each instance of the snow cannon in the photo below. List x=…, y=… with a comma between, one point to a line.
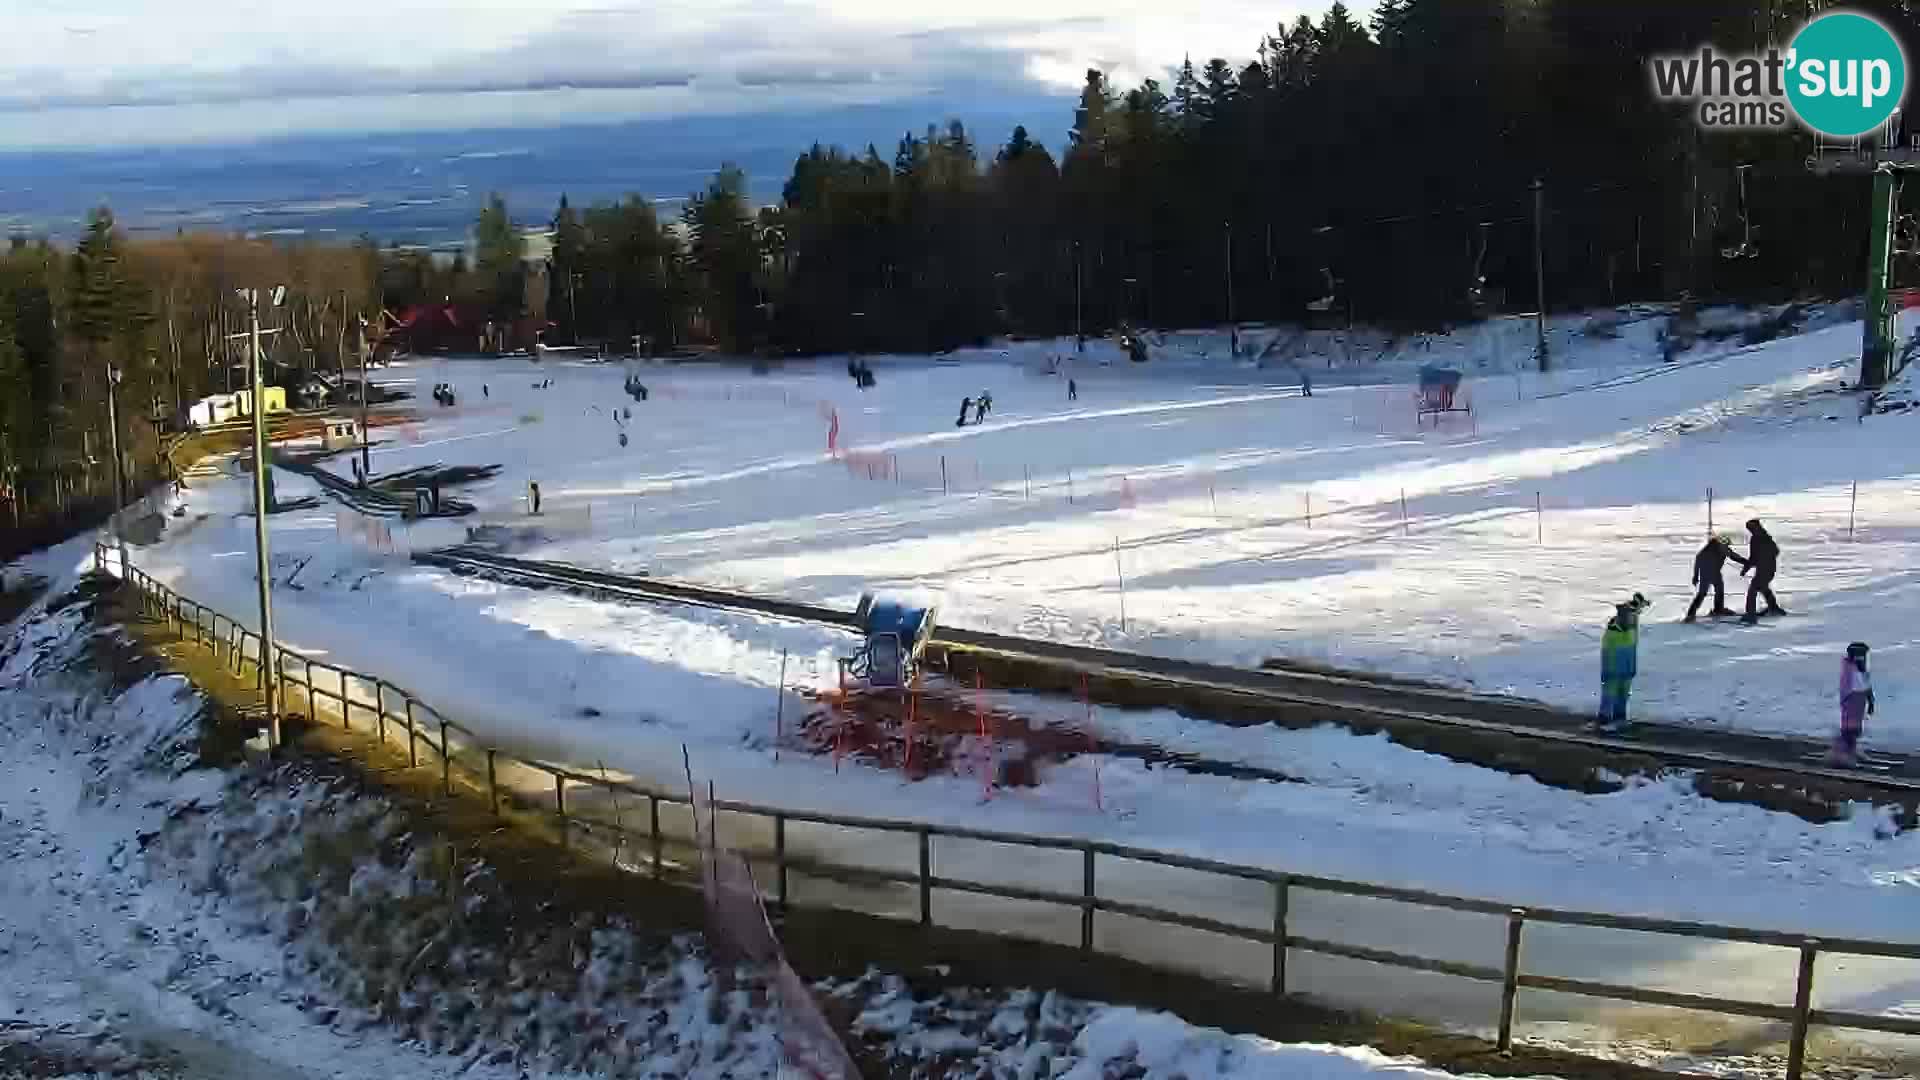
x=894, y=633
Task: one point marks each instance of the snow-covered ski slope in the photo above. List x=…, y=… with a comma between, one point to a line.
x=726, y=478
x=1252, y=522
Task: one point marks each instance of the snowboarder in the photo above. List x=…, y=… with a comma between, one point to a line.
x=986, y=402
x=1707, y=563
x=966, y=406
x=1306, y=383
x=1856, y=703
x=533, y=496
x=485, y=391
x=1073, y=390
x=1619, y=662
x=980, y=411
x=1763, y=558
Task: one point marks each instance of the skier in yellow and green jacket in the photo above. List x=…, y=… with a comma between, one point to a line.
x=1619, y=662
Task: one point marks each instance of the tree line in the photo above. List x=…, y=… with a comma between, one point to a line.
x=1392, y=172
x=1385, y=172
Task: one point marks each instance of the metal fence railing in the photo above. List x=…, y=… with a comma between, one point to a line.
x=386, y=710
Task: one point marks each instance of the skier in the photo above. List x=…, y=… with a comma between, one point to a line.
x=966, y=406
x=1763, y=558
x=1073, y=390
x=1619, y=662
x=533, y=496
x=1306, y=384
x=1856, y=703
x=1706, y=575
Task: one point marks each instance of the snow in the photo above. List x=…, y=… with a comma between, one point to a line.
x=1222, y=463
x=727, y=480
x=1030, y=1034
x=164, y=917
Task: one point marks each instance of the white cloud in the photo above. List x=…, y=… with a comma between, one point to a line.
x=110, y=71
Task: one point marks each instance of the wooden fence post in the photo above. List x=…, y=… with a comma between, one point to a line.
x=493, y=785
x=346, y=709
x=380, y=709
x=1510, y=979
x=780, y=860
x=1802, y=1005
x=653, y=814
x=560, y=806
x=446, y=761
x=1278, y=983
x=1086, y=899
x=926, y=877
x=413, y=747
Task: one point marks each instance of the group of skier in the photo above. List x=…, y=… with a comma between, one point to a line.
x=977, y=408
x=1762, y=560
x=1620, y=641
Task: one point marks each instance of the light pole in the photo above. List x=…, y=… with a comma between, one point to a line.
x=114, y=375
x=366, y=450
x=1539, y=273
x=1079, y=333
x=262, y=503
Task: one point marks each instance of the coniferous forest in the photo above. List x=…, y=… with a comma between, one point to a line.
x=1380, y=171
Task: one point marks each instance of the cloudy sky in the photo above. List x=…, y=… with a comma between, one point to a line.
x=132, y=72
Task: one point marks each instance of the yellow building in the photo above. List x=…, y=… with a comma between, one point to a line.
x=274, y=396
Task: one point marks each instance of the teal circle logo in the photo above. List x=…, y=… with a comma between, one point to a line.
x=1846, y=74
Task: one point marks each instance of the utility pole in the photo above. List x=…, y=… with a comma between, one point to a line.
x=1539, y=272
x=1233, y=327
x=1079, y=334
x=573, y=302
x=366, y=449
x=262, y=503
x=114, y=376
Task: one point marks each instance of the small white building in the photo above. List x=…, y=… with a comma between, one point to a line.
x=339, y=433
x=213, y=409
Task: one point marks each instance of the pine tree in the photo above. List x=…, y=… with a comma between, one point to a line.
x=724, y=254
x=1186, y=93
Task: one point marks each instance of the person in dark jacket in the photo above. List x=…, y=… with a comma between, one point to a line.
x=1763, y=558
x=966, y=406
x=1707, y=563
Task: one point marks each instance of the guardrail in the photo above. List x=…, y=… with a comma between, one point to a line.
x=479, y=766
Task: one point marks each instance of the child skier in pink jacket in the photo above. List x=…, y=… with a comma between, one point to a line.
x=1856, y=702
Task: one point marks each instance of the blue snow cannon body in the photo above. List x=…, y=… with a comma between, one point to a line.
x=894, y=633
